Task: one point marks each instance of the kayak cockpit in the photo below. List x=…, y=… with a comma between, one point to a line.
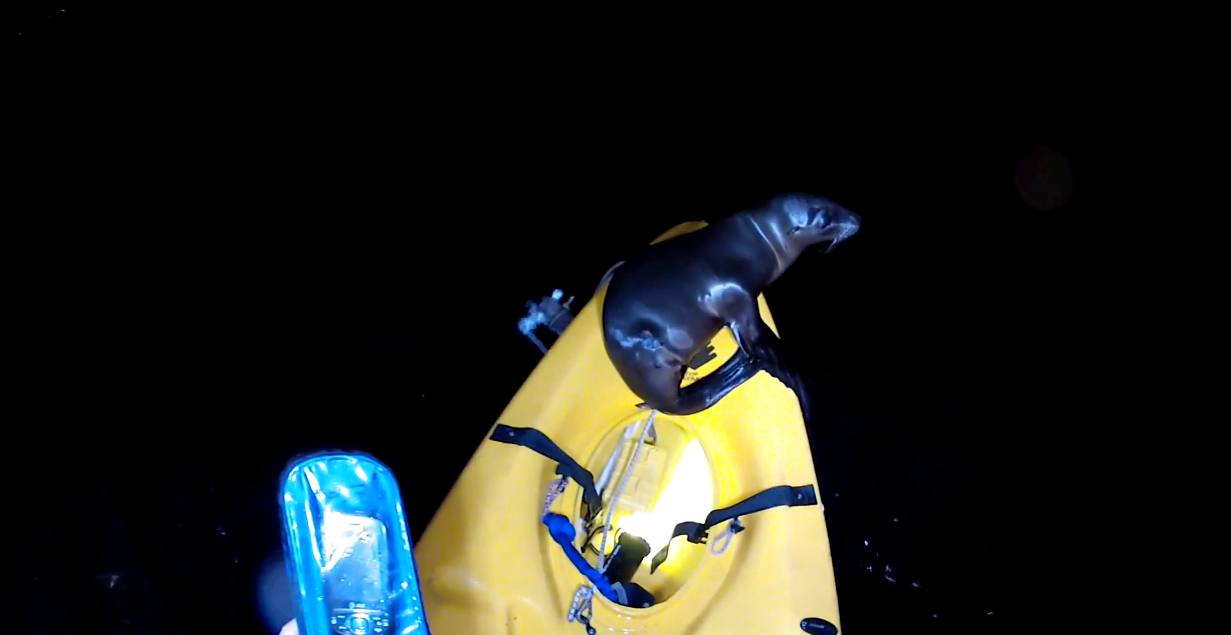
x=654, y=479
x=648, y=490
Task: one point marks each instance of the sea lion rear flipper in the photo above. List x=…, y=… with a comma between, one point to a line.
x=708, y=390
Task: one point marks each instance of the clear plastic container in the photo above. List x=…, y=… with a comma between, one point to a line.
x=348, y=549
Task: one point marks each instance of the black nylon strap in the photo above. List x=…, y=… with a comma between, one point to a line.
x=534, y=439
x=779, y=496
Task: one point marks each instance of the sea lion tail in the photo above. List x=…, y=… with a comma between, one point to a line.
x=607, y=276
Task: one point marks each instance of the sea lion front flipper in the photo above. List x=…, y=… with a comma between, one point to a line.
x=756, y=339
x=794, y=381
x=761, y=344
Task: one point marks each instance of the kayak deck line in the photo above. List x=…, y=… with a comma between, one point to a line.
x=628, y=472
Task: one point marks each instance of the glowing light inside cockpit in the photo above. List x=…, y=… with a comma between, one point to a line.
x=689, y=495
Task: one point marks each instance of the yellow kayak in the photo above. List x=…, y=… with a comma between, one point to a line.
x=712, y=520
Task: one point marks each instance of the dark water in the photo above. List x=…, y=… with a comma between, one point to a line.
x=351, y=277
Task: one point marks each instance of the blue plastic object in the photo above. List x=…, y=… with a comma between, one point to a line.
x=348, y=549
x=563, y=532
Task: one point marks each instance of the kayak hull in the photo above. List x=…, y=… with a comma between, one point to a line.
x=488, y=565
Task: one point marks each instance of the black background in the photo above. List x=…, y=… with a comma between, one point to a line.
x=325, y=238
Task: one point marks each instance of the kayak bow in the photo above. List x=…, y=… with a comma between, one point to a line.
x=707, y=524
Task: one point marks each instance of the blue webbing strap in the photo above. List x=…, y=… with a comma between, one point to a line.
x=563, y=532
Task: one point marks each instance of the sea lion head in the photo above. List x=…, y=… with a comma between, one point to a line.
x=816, y=219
